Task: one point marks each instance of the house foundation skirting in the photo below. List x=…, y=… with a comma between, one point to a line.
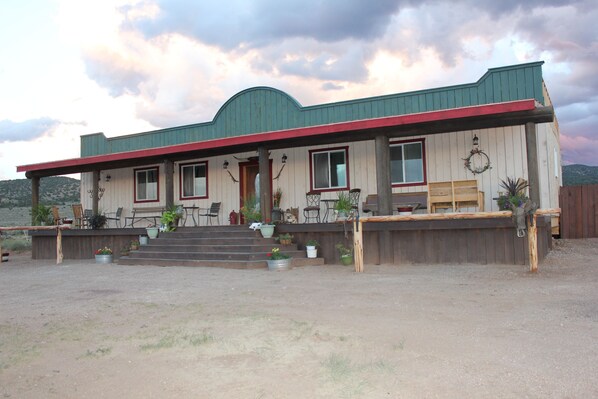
x=480, y=241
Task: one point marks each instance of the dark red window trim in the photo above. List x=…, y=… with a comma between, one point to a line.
x=423, y=142
x=311, y=174
x=157, y=168
x=181, y=181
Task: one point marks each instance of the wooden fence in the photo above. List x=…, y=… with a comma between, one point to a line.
x=579, y=217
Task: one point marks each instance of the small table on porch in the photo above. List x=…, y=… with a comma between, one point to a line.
x=190, y=210
x=330, y=203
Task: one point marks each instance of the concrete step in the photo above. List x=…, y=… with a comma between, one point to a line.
x=297, y=262
x=147, y=254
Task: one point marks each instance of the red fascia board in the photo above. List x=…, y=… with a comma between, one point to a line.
x=400, y=120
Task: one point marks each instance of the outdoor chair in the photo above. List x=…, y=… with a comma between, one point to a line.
x=78, y=220
x=212, y=212
x=115, y=216
x=56, y=216
x=354, y=195
x=312, y=210
x=87, y=214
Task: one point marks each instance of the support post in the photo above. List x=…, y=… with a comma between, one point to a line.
x=59, y=255
x=34, y=196
x=358, y=245
x=533, y=174
x=169, y=183
x=95, y=186
x=532, y=243
x=265, y=194
x=384, y=188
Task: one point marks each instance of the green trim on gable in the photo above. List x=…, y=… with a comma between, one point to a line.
x=265, y=109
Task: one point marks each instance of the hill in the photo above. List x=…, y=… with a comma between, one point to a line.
x=574, y=175
x=57, y=190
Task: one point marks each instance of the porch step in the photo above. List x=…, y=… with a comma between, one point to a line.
x=227, y=264
x=236, y=247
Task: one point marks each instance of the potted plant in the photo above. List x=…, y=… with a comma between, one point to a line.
x=152, y=231
x=41, y=215
x=343, y=205
x=103, y=255
x=97, y=221
x=267, y=229
x=515, y=195
x=311, y=248
x=278, y=260
x=171, y=217
x=346, y=254
x=250, y=210
x=134, y=245
x=284, y=239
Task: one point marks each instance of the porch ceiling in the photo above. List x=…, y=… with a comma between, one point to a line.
x=459, y=119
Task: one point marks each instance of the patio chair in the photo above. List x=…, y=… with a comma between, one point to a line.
x=212, y=212
x=78, y=220
x=313, y=206
x=56, y=216
x=87, y=214
x=354, y=195
x=116, y=217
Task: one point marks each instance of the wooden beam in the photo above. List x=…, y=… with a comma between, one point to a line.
x=265, y=194
x=384, y=189
x=34, y=196
x=168, y=183
x=533, y=174
x=358, y=245
x=95, y=186
x=532, y=243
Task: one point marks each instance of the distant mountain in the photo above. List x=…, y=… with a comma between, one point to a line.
x=57, y=190
x=574, y=175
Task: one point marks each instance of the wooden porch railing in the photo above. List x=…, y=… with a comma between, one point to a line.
x=58, y=229
x=532, y=231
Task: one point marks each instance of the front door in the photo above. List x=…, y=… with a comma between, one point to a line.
x=249, y=182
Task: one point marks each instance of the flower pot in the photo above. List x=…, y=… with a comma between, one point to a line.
x=347, y=260
x=405, y=210
x=143, y=240
x=312, y=252
x=152, y=232
x=341, y=215
x=103, y=258
x=267, y=230
x=279, y=264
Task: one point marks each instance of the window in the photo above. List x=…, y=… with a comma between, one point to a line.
x=146, y=185
x=329, y=169
x=194, y=180
x=407, y=163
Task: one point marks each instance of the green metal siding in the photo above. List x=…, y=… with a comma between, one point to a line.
x=263, y=109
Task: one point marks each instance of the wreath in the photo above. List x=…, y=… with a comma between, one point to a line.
x=477, y=161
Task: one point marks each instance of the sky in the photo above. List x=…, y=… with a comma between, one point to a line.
x=75, y=67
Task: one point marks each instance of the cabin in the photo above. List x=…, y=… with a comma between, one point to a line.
x=391, y=149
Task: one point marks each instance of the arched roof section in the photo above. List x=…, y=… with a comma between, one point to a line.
x=265, y=109
x=256, y=110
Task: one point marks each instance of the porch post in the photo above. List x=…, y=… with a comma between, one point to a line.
x=34, y=196
x=169, y=183
x=95, y=185
x=265, y=194
x=532, y=162
x=384, y=188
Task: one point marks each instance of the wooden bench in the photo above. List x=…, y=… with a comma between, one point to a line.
x=454, y=195
x=416, y=200
x=149, y=214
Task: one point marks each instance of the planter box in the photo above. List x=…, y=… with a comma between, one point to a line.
x=103, y=258
x=279, y=264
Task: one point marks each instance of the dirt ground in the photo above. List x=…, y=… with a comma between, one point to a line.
x=81, y=330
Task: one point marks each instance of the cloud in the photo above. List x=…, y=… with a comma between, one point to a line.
x=27, y=130
x=579, y=149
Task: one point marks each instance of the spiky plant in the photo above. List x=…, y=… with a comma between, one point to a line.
x=515, y=196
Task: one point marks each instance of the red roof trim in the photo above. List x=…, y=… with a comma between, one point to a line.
x=456, y=113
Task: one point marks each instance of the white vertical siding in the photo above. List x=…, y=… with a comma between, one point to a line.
x=445, y=155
